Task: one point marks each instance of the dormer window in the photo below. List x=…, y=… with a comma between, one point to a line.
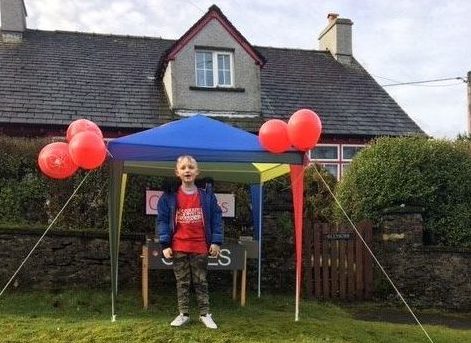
x=214, y=68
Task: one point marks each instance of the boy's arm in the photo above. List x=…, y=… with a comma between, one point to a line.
x=216, y=222
x=163, y=229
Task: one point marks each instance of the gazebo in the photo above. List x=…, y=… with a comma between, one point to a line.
x=223, y=152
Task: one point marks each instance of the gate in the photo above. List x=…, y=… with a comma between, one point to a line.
x=336, y=263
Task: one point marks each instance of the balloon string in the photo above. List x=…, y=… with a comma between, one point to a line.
x=109, y=153
x=373, y=255
x=44, y=234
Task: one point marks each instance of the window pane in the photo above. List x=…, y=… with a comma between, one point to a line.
x=203, y=58
x=325, y=153
x=224, y=78
x=208, y=61
x=200, y=78
x=204, y=69
x=350, y=151
x=209, y=78
x=224, y=69
x=227, y=77
x=226, y=62
x=332, y=168
x=221, y=77
x=199, y=60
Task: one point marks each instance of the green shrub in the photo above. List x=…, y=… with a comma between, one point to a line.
x=29, y=198
x=9, y=206
x=242, y=223
x=18, y=156
x=87, y=209
x=134, y=211
x=319, y=203
x=429, y=173
x=22, y=192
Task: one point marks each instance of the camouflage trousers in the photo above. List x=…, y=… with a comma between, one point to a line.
x=188, y=268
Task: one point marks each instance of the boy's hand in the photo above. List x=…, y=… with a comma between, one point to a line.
x=168, y=253
x=214, y=250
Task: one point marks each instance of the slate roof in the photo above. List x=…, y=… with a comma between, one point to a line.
x=57, y=77
x=347, y=98
x=53, y=78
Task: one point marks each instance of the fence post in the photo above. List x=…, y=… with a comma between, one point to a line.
x=401, y=229
x=307, y=258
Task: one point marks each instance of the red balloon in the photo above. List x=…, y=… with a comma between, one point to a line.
x=87, y=150
x=82, y=125
x=304, y=129
x=54, y=160
x=273, y=136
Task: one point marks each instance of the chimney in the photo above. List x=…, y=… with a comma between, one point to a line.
x=13, y=20
x=337, y=38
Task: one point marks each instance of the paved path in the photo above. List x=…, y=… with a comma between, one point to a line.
x=454, y=320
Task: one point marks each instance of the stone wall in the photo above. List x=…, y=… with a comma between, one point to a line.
x=76, y=260
x=67, y=260
x=427, y=276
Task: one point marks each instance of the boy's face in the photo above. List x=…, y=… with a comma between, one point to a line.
x=187, y=171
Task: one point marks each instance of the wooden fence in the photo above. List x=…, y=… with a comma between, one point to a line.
x=336, y=263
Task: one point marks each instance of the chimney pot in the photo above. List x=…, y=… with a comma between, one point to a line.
x=332, y=16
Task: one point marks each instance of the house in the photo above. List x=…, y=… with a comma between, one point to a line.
x=128, y=84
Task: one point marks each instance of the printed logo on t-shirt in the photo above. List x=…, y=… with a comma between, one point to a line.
x=189, y=215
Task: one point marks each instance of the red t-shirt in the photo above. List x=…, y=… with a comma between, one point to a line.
x=189, y=234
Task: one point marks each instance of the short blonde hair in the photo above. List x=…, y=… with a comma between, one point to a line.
x=184, y=158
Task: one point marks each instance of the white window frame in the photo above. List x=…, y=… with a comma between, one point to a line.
x=340, y=161
x=215, y=67
x=326, y=159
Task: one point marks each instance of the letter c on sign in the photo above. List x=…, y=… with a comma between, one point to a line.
x=153, y=201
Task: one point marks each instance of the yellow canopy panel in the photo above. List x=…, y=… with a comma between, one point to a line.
x=220, y=171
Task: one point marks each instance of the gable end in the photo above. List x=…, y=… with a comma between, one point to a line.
x=214, y=13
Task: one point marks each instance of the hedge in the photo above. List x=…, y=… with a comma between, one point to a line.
x=28, y=198
x=432, y=174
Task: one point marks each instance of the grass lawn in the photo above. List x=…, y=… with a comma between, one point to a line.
x=84, y=316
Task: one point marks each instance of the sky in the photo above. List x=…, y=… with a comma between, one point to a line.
x=397, y=41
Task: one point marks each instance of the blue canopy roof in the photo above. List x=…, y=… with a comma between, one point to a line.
x=206, y=139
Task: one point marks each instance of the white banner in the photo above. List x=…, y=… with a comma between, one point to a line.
x=225, y=200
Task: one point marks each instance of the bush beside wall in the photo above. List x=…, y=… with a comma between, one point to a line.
x=414, y=171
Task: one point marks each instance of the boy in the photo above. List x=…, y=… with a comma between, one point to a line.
x=189, y=225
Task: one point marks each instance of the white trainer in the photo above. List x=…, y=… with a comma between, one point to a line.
x=180, y=320
x=208, y=321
